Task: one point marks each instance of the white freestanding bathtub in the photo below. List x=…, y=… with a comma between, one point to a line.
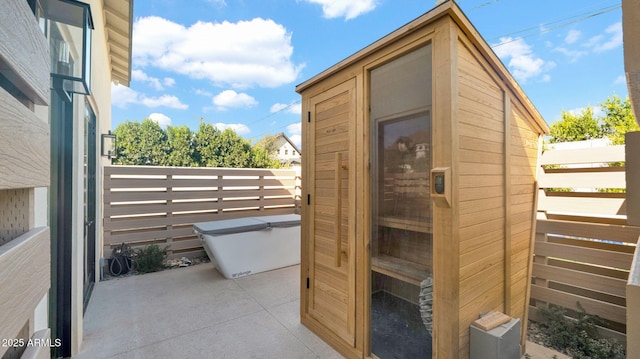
x=244, y=246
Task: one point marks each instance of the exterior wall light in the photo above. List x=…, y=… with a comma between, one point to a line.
x=109, y=148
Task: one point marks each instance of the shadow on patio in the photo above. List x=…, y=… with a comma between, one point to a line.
x=195, y=312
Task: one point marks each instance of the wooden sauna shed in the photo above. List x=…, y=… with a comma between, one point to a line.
x=418, y=210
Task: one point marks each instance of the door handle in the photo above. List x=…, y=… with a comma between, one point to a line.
x=338, y=184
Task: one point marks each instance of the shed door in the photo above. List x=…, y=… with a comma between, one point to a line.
x=332, y=210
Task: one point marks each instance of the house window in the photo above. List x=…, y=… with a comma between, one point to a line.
x=70, y=28
x=286, y=152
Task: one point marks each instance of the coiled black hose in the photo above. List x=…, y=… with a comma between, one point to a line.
x=121, y=261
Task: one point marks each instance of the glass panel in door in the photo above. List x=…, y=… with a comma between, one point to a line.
x=90, y=161
x=401, y=242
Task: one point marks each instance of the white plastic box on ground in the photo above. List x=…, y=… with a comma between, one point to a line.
x=244, y=246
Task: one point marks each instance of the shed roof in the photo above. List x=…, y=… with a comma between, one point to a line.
x=451, y=9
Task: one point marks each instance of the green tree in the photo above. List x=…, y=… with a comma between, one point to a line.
x=618, y=119
x=204, y=144
x=268, y=143
x=215, y=148
x=583, y=126
x=180, y=141
x=264, y=153
x=141, y=143
x=234, y=151
x=146, y=143
x=261, y=158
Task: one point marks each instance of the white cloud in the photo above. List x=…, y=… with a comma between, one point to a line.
x=220, y=3
x=522, y=62
x=230, y=98
x=572, y=36
x=295, y=128
x=294, y=108
x=349, y=9
x=161, y=119
x=611, y=39
x=620, y=80
x=139, y=75
x=239, y=128
x=297, y=140
x=573, y=55
x=202, y=92
x=168, y=81
x=243, y=54
x=121, y=96
x=278, y=107
x=597, y=111
x=164, y=101
x=295, y=133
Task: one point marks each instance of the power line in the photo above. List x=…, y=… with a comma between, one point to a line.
x=274, y=130
x=541, y=29
x=485, y=4
x=560, y=23
x=289, y=106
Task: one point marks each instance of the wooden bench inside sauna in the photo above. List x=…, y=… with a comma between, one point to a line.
x=418, y=181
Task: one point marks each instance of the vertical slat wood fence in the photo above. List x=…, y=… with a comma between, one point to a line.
x=584, y=247
x=159, y=205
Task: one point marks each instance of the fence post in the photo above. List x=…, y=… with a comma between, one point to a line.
x=632, y=174
x=169, y=213
x=298, y=190
x=540, y=238
x=261, y=190
x=633, y=308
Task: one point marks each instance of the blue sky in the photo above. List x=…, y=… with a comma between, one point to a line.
x=235, y=63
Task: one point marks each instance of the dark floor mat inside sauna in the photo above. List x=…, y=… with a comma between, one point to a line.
x=397, y=331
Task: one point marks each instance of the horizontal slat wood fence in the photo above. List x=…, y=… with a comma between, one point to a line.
x=583, y=251
x=159, y=205
x=584, y=248
x=633, y=309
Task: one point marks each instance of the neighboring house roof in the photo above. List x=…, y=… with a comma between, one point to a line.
x=119, y=25
x=281, y=136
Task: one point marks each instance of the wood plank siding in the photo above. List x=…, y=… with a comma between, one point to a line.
x=481, y=114
x=24, y=53
x=498, y=151
x=24, y=280
x=24, y=165
x=24, y=144
x=484, y=136
x=331, y=197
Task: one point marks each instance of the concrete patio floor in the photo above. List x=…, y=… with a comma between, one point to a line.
x=195, y=312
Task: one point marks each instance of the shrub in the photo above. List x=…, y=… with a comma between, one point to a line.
x=579, y=337
x=150, y=258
